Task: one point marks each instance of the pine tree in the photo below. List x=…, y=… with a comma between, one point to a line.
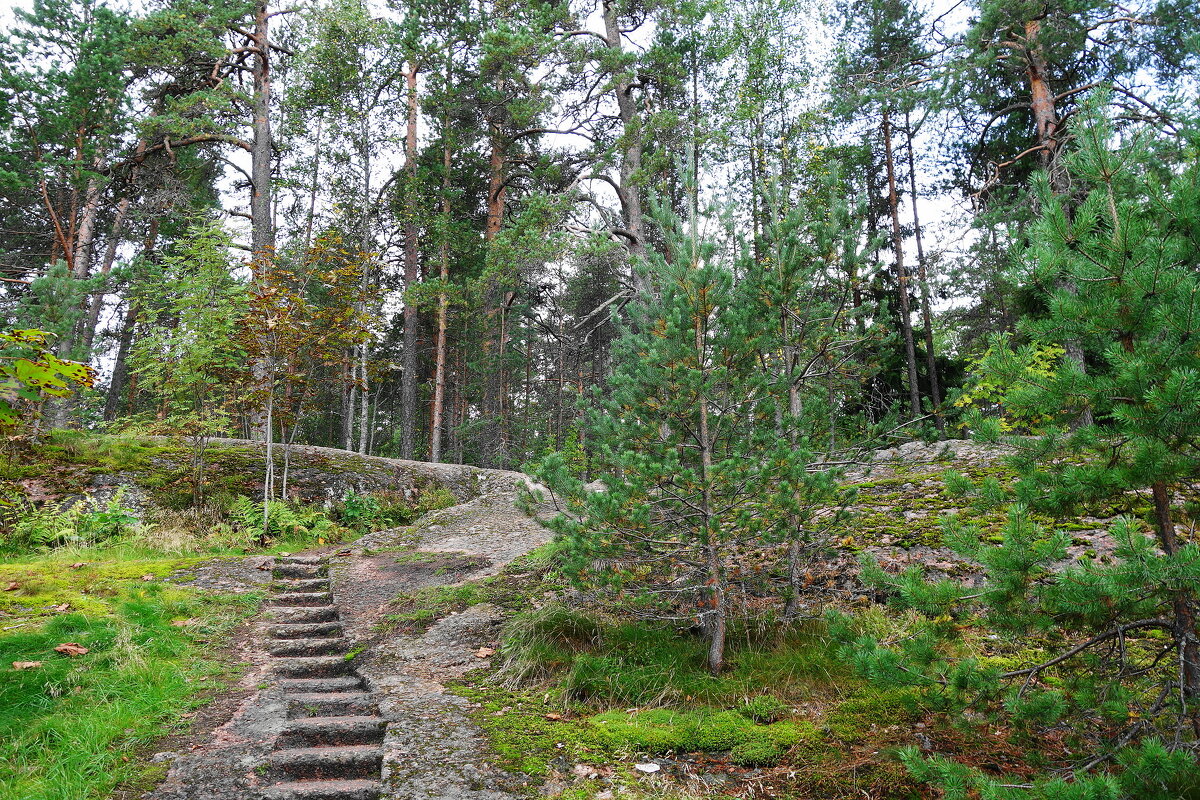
x=687, y=445
x=1130, y=250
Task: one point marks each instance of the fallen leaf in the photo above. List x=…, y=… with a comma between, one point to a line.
x=26, y=664
x=484, y=652
x=71, y=649
x=284, y=555
x=265, y=565
x=147, y=577
x=12, y=586
x=553, y=716
x=78, y=565
x=182, y=623
x=64, y=608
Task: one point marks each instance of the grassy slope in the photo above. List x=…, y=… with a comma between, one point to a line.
x=77, y=727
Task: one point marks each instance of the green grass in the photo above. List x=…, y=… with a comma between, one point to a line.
x=74, y=728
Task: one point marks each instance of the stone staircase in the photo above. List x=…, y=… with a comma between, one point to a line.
x=331, y=748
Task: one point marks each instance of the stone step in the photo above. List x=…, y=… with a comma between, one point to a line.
x=311, y=666
x=299, y=570
x=291, y=615
x=343, y=761
x=310, y=560
x=330, y=704
x=325, y=731
x=346, y=683
x=301, y=585
x=305, y=630
x=307, y=647
x=301, y=599
x=323, y=790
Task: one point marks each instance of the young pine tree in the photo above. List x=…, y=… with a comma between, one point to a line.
x=686, y=442
x=1127, y=628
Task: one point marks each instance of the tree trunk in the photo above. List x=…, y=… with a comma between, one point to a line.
x=365, y=399
x=408, y=375
x=496, y=199
x=935, y=388
x=121, y=365
x=439, y=373
x=910, y=353
x=349, y=397
x=1183, y=605
x=262, y=221
x=631, y=153
x=1046, y=123
x=96, y=304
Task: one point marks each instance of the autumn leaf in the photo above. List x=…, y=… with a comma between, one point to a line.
x=12, y=586
x=26, y=664
x=71, y=649
x=484, y=652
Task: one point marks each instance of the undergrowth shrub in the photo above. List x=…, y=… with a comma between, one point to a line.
x=79, y=522
x=284, y=520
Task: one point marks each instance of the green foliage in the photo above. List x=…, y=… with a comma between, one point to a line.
x=189, y=352
x=362, y=513
x=286, y=521
x=80, y=522
x=1116, y=273
x=687, y=441
x=30, y=372
x=986, y=390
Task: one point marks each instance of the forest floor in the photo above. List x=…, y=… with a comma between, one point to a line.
x=499, y=680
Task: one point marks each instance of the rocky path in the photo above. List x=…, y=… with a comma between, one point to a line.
x=335, y=710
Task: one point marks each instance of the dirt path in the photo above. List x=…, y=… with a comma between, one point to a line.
x=430, y=749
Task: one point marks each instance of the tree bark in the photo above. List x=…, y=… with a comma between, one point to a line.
x=262, y=221
x=1183, y=605
x=1046, y=123
x=910, y=354
x=935, y=388
x=408, y=376
x=631, y=154
x=121, y=366
x=439, y=373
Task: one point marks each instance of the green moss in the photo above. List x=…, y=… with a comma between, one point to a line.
x=523, y=730
x=756, y=752
x=763, y=708
x=853, y=718
x=44, y=585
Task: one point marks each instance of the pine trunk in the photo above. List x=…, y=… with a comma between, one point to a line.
x=935, y=387
x=631, y=152
x=439, y=369
x=910, y=353
x=262, y=222
x=408, y=376
x=1046, y=123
